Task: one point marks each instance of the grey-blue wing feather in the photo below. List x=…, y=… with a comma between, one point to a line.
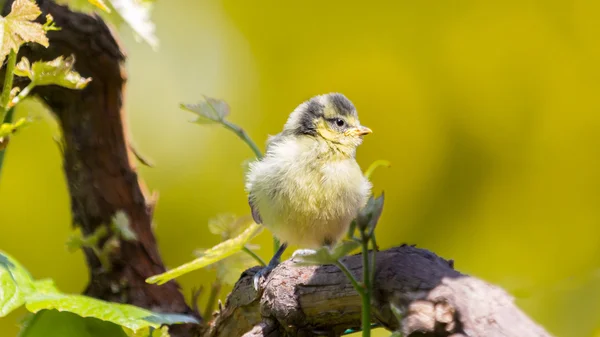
x=255, y=214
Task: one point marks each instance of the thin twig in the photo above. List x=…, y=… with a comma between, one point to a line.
x=375, y=249
x=350, y=277
x=196, y=293
x=366, y=295
x=254, y=256
x=8, y=83
x=215, y=289
x=244, y=136
x=7, y=119
x=22, y=94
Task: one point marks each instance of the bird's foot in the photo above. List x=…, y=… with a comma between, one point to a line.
x=262, y=274
x=265, y=271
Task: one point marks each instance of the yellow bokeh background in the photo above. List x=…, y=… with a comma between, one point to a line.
x=488, y=110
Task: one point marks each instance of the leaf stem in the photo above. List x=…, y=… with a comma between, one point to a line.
x=366, y=296
x=5, y=111
x=8, y=83
x=215, y=289
x=375, y=165
x=7, y=119
x=244, y=136
x=375, y=250
x=22, y=94
x=254, y=256
x=349, y=275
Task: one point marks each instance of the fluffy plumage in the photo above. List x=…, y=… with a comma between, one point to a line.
x=308, y=187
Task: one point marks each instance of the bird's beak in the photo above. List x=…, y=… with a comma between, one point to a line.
x=359, y=131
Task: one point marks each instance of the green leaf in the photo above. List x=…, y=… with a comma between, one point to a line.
x=134, y=13
x=210, y=256
x=125, y=315
x=15, y=284
x=58, y=71
x=229, y=225
x=369, y=216
x=149, y=332
x=17, y=27
x=375, y=165
x=137, y=15
x=75, y=241
x=229, y=269
x=7, y=129
x=52, y=323
x=397, y=312
x=399, y=316
x=325, y=255
x=18, y=288
x=209, y=110
x=50, y=24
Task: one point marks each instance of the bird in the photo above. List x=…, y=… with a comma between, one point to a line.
x=308, y=187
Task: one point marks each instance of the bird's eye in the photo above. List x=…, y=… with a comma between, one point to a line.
x=339, y=122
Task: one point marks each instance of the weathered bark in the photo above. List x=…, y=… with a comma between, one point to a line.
x=296, y=301
x=435, y=300
x=99, y=166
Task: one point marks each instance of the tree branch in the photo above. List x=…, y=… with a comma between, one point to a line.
x=435, y=299
x=99, y=166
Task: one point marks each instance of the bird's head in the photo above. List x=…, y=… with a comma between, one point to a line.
x=331, y=117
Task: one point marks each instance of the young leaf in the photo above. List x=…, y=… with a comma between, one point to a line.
x=209, y=110
x=229, y=269
x=17, y=27
x=58, y=71
x=369, y=215
x=100, y=4
x=10, y=128
x=228, y=225
x=210, y=256
x=50, y=24
x=399, y=316
x=77, y=240
x=324, y=255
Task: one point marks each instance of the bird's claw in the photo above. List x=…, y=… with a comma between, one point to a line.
x=262, y=274
x=265, y=271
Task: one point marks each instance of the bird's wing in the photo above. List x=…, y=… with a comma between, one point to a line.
x=255, y=214
x=271, y=140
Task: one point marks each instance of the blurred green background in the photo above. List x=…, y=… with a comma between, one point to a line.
x=488, y=110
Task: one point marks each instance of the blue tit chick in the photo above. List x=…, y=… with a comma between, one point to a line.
x=308, y=187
